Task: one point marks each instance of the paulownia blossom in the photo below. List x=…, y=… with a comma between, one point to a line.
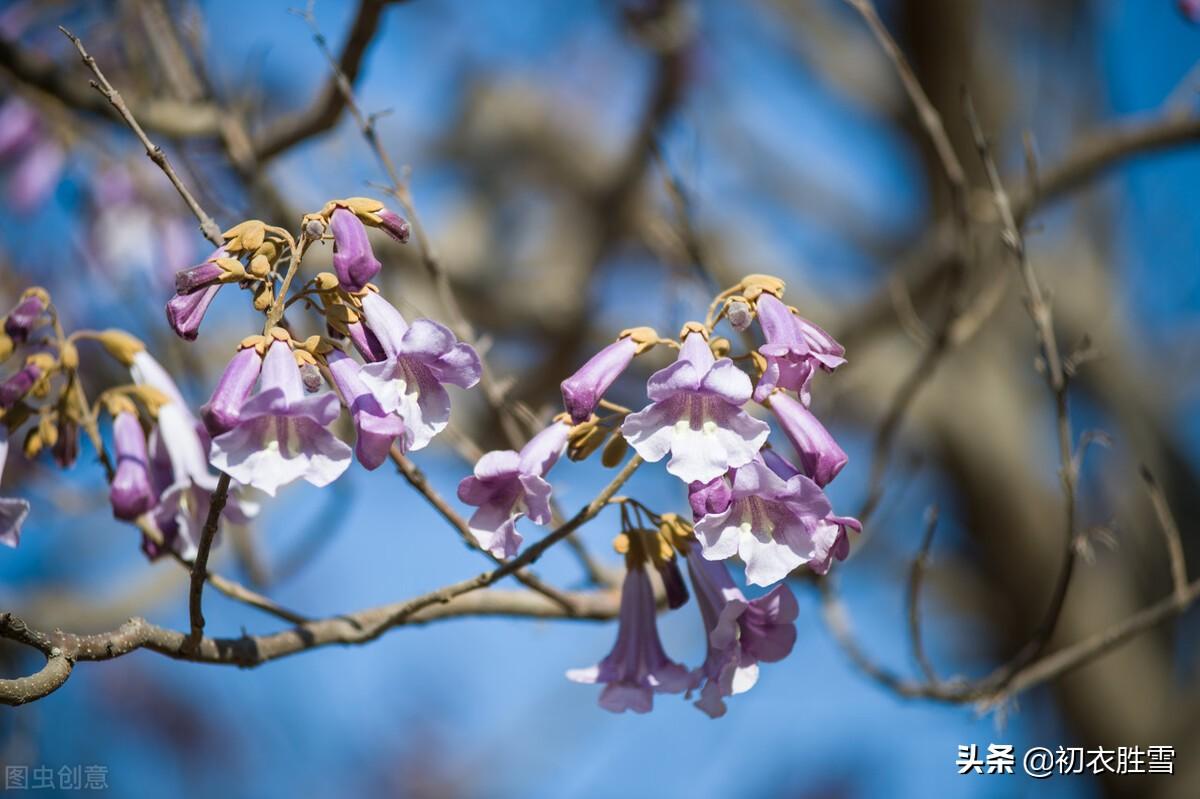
x=507, y=485
x=130, y=493
x=281, y=434
x=830, y=539
x=353, y=260
x=582, y=391
x=179, y=472
x=637, y=668
x=13, y=510
x=770, y=523
x=18, y=384
x=794, y=348
x=25, y=316
x=376, y=429
x=195, y=289
x=419, y=358
x=741, y=633
x=696, y=415
x=820, y=456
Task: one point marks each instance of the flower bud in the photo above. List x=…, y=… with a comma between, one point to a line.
x=582, y=391
x=130, y=493
x=221, y=413
x=24, y=317
x=353, y=260
x=820, y=456
x=395, y=226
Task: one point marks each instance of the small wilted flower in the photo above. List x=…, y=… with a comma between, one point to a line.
x=130, y=493
x=696, y=415
x=770, y=523
x=353, y=260
x=741, y=633
x=420, y=358
x=637, y=667
x=820, y=456
x=376, y=428
x=13, y=511
x=281, y=434
x=507, y=485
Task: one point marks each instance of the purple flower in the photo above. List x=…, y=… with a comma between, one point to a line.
x=507, y=485
x=13, y=511
x=820, y=456
x=794, y=348
x=221, y=413
x=195, y=289
x=22, y=319
x=365, y=342
x=696, y=415
x=179, y=472
x=353, y=260
x=420, y=358
x=395, y=225
x=185, y=312
x=741, y=633
x=830, y=539
x=130, y=492
x=281, y=434
x=582, y=391
x=711, y=497
x=637, y=667
x=770, y=524
x=17, y=385
x=376, y=429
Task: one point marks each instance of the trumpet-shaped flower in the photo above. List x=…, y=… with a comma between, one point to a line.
x=696, y=415
x=281, y=434
x=420, y=358
x=794, y=349
x=741, y=633
x=637, y=667
x=582, y=391
x=507, y=485
x=770, y=523
x=376, y=428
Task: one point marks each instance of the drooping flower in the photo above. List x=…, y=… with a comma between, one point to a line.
x=831, y=538
x=18, y=384
x=353, y=260
x=420, y=358
x=281, y=434
x=507, y=485
x=582, y=391
x=195, y=289
x=741, y=633
x=637, y=667
x=376, y=428
x=24, y=317
x=770, y=523
x=696, y=415
x=820, y=456
x=130, y=493
x=13, y=511
x=794, y=349
x=179, y=472
x=221, y=412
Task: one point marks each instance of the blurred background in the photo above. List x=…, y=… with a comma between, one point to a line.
x=583, y=167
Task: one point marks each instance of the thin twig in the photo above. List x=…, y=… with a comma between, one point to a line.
x=1170, y=529
x=916, y=575
x=207, y=226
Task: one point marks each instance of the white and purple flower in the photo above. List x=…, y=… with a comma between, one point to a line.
x=794, y=349
x=376, y=429
x=419, y=359
x=637, y=667
x=281, y=435
x=771, y=523
x=507, y=485
x=741, y=633
x=696, y=415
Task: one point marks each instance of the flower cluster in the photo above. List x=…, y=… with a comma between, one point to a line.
x=270, y=420
x=748, y=500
